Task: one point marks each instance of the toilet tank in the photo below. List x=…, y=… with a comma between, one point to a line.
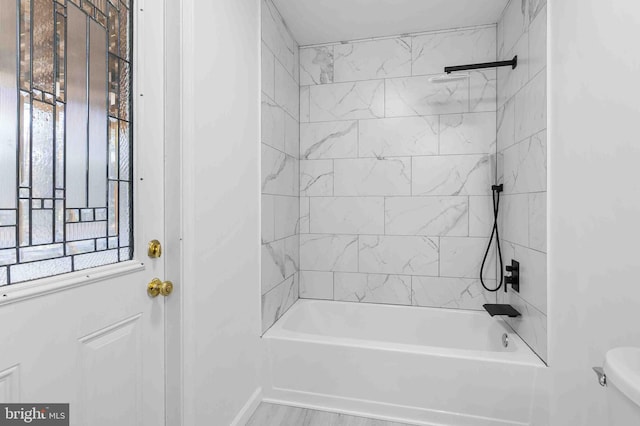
x=622, y=370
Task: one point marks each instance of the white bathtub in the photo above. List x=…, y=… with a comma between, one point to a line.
x=414, y=365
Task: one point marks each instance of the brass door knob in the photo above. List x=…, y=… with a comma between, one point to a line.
x=157, y=287
x=166, y=288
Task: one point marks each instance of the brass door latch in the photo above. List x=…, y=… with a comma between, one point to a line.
x=157, y=287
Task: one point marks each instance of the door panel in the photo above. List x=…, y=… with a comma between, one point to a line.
x=9, y=389
x=95, y=338
x=111, y=366
x=98, y=347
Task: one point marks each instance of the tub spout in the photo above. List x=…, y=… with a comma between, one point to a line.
x=501, y=310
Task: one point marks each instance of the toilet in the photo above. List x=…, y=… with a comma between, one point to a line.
x=622, y=372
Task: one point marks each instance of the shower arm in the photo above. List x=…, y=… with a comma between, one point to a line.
x=513, y=63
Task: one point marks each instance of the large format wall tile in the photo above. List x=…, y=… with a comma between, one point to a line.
x=533, y=283
x=398, y=255
x=278, y=172
x=535, y=7
x=531, y=107
x=483, y=87
x=279, y=261
x=522, y=162
x=452, y=175
x=316, y=65
x=373, y=288
x=480, y=216
x=333, y=139
x=329, y=253
x=316, y=177
x=296, y=70
x=369, y=60
x=410, y=96
x=347, y=215
x=291, y=136
x=538, y=43
x=468, y=133
x=276, y=36
x=371, y=176
x=268, y=71
x=304, y=104
x=316, y=285
x=286, y=216
x=533, y=273
x=304, y=225
x=347, y=101
x=531, y=326
x=538, y=221
x=267, y=214
x=525, y=165
x=511, y=81
x=398, y=137
x=287, y=91
x=514, y=211
x=430, y=216
x=272, y=265
x=462, y=257
x=395, y=171
x=272, y=121
x=277, y=301
x=434, y=51
x=512, y=25
x=458, y=293
x=506, y=125
x=280, y=166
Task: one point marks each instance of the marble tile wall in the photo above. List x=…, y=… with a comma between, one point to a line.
x=395, y=171
x=280, y=144
x=522, y=163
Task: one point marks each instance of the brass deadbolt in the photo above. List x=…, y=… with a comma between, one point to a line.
x=155, y=249
x=157, y=287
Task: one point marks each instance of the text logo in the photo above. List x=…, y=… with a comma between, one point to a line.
x=34, y=414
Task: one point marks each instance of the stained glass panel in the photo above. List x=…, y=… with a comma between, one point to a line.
x=8, y=105
x=7, y=217
x=43, y=49
x=7, y=237
x=25, y=44
x=65, y=136
x=42, y=147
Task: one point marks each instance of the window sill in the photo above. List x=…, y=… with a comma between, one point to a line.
x=38, y=288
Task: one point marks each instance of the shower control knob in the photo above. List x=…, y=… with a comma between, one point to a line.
x=514, y=278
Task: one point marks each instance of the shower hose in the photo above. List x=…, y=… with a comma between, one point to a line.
x=496, y=190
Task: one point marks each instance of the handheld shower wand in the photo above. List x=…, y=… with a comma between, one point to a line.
x=496, y=190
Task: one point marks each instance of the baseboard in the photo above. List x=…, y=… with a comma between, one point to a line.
x=377, y=410
x=248, y=409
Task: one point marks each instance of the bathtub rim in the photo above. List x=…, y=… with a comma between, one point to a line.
x=523, y=355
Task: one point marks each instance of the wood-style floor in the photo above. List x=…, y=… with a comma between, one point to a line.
x=282, y=415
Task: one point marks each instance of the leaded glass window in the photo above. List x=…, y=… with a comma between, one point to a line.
x=65, y=136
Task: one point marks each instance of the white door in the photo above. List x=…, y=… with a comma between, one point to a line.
x=93, y=337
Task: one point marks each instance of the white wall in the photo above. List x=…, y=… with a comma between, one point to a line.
x=221, y=77
x=594, y=194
